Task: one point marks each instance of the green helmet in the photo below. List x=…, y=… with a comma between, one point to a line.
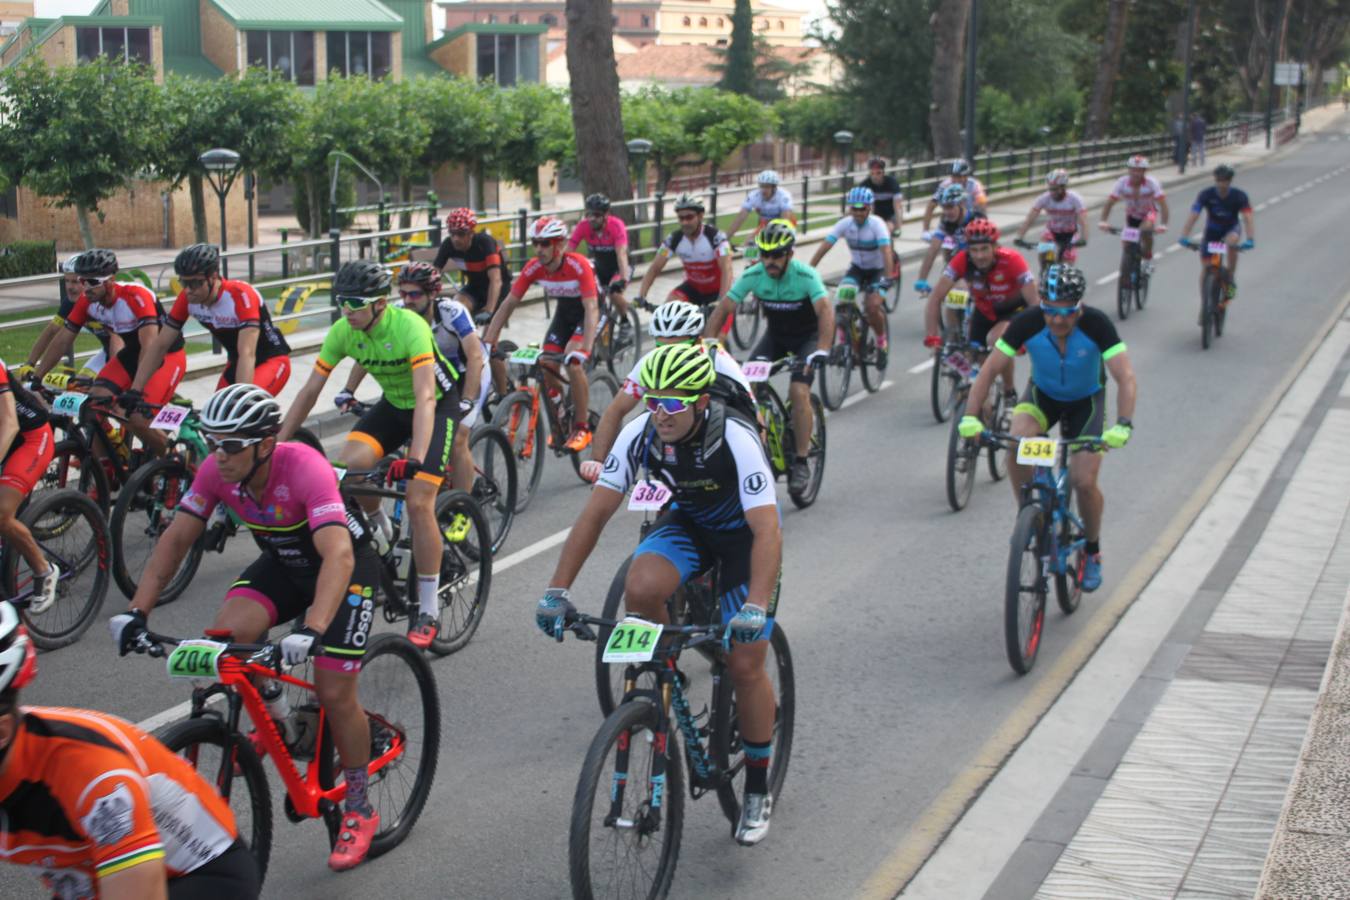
x=777, y=235
x=677, y=369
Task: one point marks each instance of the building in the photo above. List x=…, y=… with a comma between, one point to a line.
x=675, y=66
x=12, y=15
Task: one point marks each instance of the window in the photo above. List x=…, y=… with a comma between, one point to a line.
x=702, y=21
x=719, y=22
x=359, y=53
x=9, y=203
x=646, y=21
x=514, y=18
x=126, y=44
x=288, y=53
x=688, y=21
x=508, y=58
x=780, y=24
x=549, y=19
x=492, y=17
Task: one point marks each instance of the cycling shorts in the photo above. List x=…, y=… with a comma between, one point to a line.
x=1221, y=232
x=1076, y=418
x=978, y=327
x=693, y=551
x=606, y=267
x=569, y=324
x=865, y=279
x=1136, y=221
x=385, y=428
x=689, y=294
x=27, y=459
x=232, y=874
x=475, y=296
x=159, y=389
x=774, y=347
x=287, y=594
x=271, y=374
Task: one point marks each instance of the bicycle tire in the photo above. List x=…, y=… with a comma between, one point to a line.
x=309, y=439
x=745, y=323
x=606, y=676
x=869, y=362
x=891, y=299
x=725, y=739
x=71, y=455
x=963, y=457
x=621, y=358
x=840, y=362
x=459, y=617
x=1069, y=584
x=1207, y=303
x=494, y=483
x=1023, y=625
x=53, y=628
x=186, y=738
x=996, y=455
x=155, y=489
x=942, y=388
x=1124, y=284
x=1220, y=310
x=1141, y=291
x=609, y=389
x=595, y=783
x=530, y=461
x=815, y=455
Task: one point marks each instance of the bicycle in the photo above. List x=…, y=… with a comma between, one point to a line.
x=89, y=424
x=397, y=690
x=521, y=414
x=618, y=355
x=1047, y=540
x=855, y=344
x=891, y=299
x=951, y=363
x=1132, y=285
x=1214, y=290
x=963, y=453
x=777, y=420
x=1048, y=251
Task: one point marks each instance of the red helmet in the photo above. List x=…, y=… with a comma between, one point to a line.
x=981, y=231
x=423, y=274
x=461, y=219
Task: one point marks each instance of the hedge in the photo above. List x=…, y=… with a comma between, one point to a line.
x=23, y=258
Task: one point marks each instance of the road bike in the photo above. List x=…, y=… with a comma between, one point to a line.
x=94, y=453
x=1132, y=285
x=1214, y=290
x=777, y=419
x=951, y=361
x=855, y=345
x=396, y=688
x=963, y=454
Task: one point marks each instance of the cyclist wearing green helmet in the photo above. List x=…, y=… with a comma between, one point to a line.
x=708, y=459
x=800, y=323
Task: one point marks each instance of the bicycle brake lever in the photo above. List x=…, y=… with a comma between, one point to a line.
x=583, y=631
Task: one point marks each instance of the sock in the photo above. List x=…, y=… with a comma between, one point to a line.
x=356, y=780
x=882, y=342
x=1092, y=547
x=427, y=601
x=756, y=767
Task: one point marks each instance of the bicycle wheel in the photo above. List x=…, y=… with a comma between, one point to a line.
x=1024, y=600
x=745, y=323
x=609, y=678
x=1220, y=307
x=230, y=764
x=1125, y=284
x=728, y=752
x=869, y=360
x=836, y=374
x=144, y=510
x=1069, y=582
x=891, y=299
x=310, y=439
x=494, y=481
x=815, y=456
x=466, y=573
x=624, y=354
x=604, y=387
x=512, y=416
x=962, y=459
x=71, y=532
x=624, y=838
x=996, y=454
x=1208, y=302
x=942, y=387
x=1141, y=290
x=72, y=466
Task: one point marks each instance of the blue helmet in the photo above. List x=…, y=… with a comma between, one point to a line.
x=952, y=195
x=860, y=196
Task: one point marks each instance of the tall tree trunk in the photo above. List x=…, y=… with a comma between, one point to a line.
x=405, y=198
x=1108, y=69
x=949, y=55
x=86, y=233
x=197, y=191
x=597, y=119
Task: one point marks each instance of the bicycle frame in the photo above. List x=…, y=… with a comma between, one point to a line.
x=1050, y=491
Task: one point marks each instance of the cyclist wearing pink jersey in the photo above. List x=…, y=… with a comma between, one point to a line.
x=607, y=236
x=1144, y=199
x=1065, y=213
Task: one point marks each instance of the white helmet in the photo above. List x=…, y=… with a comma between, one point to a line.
x=548, y=228
x=769, y=176
x=68, y=267
x=676, y=318
x=242, y=409
x=1058, y=178
x=18, y=657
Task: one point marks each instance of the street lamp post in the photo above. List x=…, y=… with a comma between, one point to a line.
x=222, y=167
x=844, y=138
x=638, y=151
x=972, y=49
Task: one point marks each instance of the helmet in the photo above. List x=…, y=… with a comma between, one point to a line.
x=676, y=318
x=18, y=657
x=421, y=273
x=362, y=278
x=96, y=263
x=677, y=368
x=860, y=196
x=1138, y=161
x=981, y=231
x=1224, y=172
x=961, y=167
x=199, y=259
x=769, y=176
x=689, y=201
x=548, y=228
x=952, y=195
x=597, y=203
x=1063, y=284
x=242, y=409
x=461, y=219
x=1058, y=178
x=777, y=235
x=68, y=267
x=876, y=162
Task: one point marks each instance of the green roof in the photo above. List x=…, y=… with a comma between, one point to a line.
x=420, y=65
x=33, y=24
x=299, y=15
x=191, y=66
x=486, y=28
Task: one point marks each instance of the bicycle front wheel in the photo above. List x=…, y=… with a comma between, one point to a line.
x=1069, y=568
x=71, y=532
x=466, y=572
x=1024, y=602
x=624, y=839
x=494, y=481
x=745, y=323
x=1209, y=302
x=891, y=299
x=603, y=388
x=997, y=453
x=870, y=366
x=815, y=456
x=527, y=444
x=963, y=457
x=836, y=374
x=942, y=387
x=73, y=466
x=145, y=508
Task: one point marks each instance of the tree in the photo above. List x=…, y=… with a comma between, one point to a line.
x=651, y=113
x=773, y=70
x=464, y=130
x=944, y=112
x=738, y=66
x=1150, y=69
x=597, y=113
x=693, y=126
x=399, y=157
x=1108, y=69
x=68, y=136
x=536, y=129
x=812, y=119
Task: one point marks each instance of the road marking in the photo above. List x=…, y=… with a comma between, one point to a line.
x=1260, y=206
x=1174, y=248
x=1107, y=279
x=921, y=367
x=858, y=398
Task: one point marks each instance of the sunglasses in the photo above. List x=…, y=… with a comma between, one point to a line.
x=411, y=295
x=860, y=207
x=688, y=218
x=355, y=303
x=461, y=232
x=670, y=405
x=773, y=254
x=92, y=282
x=230, y=446
x=191, y=284
x=1060, y=310
x=539, y=244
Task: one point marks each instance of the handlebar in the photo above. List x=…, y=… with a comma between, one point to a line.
x=267, y=655
x=693, y=635
x=988, y=437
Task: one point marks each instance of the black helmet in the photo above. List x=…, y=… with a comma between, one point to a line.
x=199, y=259
x=1224, y=172
x=362, y=278
x=1063, y=284
x=961, y=167
x=597, y=203
x=96, y=263
x=421, y=273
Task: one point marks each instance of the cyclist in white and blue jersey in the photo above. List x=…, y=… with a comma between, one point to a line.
x=771, y=201
x=873, y=261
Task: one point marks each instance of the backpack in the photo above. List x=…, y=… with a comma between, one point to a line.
x=735, y=397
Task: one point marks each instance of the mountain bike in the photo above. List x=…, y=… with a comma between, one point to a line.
x=94, y=455
x=1048, y=250
x=396, y=688
x=618, y=355
x=855, y=345
x=1132, y=285
x=1214, y=290
x=952, y=361
x=963, y=454
x=777, y=418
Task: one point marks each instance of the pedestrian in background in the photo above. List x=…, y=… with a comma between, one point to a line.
x=1197, y=140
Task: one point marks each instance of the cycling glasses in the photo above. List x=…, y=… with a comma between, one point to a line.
x=411, y=295
x=1060, y=310
x=191, y=284
x=354, y=303
x=93, y=282
x=773, y=254
x=670, y=405
x=231, y=446
x=461, y=232
x=547, y=243
x=686, y=217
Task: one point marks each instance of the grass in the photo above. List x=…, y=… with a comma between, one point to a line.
x=15, y=343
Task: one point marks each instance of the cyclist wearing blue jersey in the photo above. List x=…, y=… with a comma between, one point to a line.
x=770, y=202
x=874, y=264
x=950, y=233
x=1071, y=347
x=1223, y=206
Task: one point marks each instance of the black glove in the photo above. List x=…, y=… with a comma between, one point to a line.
x=130, y=399
x=617, y=285
x=482, y=317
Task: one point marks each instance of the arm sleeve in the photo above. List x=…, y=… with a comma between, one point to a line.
x=458, y=316
x=420, y=342
x=749, y=203
x=528, y=275
x=632, y=385
x=202, y=497
x=754, y=479
x=744, y=285
x=142, y=304
x=577, y=235
x=721, y=244
x=1023, y=326
x=178, y=313
x=78, y=315
x=956, y=268
x=1158, y=192
x=620, y=231
x=816, y=285
x=725, y=364
x=248, y=305
x=837, y=231
x=314, y=483
x=443, y=254
x=586, y=277
x=1103, y=332
x=619, y=473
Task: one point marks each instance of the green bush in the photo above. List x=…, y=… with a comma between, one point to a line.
x=23, y=258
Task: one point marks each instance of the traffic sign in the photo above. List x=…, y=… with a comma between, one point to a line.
x=1289, y=73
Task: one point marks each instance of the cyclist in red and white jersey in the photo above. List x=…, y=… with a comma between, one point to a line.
x=705, y=252
x=1065, y=213
x=1144, y=199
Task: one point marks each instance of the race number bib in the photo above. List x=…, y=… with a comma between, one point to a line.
x=1036, y=451
x=526, y=356
x=195, y=659
x=69, y=403
x=1216, y=247
x=1046, y=247
x=632, y=640
x=57, y=381
x=1130, y=234
x=957, y=299
x=756, y=370
x=649, y=495
x=170, y=417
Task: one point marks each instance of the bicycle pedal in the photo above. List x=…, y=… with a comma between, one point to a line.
x=458, y=530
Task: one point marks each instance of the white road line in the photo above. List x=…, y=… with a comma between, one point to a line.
x=1107, y=279
x=1286, y=195
x=858, y=398
x=1174, y=248
x=1260, y=206
x=921, y=367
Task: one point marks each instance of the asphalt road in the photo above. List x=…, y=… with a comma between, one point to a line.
x=893, y=604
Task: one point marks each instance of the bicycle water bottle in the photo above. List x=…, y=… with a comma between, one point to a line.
x=279, y=708
x=402, y=558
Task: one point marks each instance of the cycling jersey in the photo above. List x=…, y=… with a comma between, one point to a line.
x=612, y=235
x=399, y=343
x=483, y=255
x=236, y=307
x=32, y=449
x=777, y=206
x=723, y=364
x=451, y=324
x=133, y=307
x=997, y=291
x=1140, y=199
x=1076, y=372
x=32, y=414
x=864, y=241
x=975, y=195
x=573, y=280
x=1062, y=214
x=86, y=795
x=789, y=301
x=884, y=196
x=95, y=328
x=701, y=256
x=1221, y=212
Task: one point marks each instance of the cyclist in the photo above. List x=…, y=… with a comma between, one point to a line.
x=1065, y=212
x=419, y=407
x=109, y=342
x=975, y=200
x=419, y=286
x=486, y=274
x=873, y=260
x=607, y=236
x=1144, y=199
x=133, y=312
x=1071, y=347
x=800, y=323
x=1223, y=204
x=27, y=446
x=956, y=215
x=570, y=281
x=886, y=193
x=674, y=322
x=771, y=201
x=726, y=515
x=703, y=249
x=234, y=313
x=99, y=808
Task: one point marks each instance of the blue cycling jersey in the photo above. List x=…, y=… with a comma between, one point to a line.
x=1078, y=370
